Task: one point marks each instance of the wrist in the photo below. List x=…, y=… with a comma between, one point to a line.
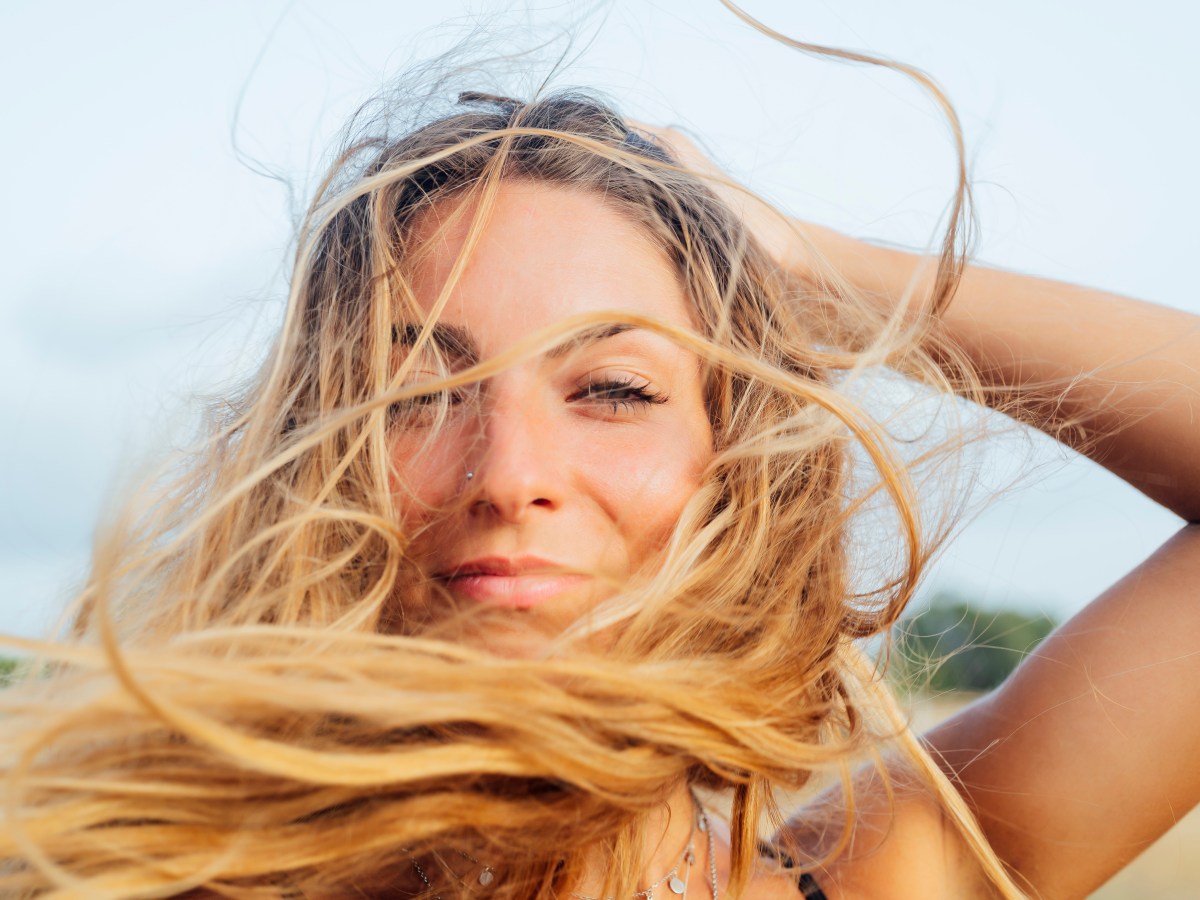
x=883, y=273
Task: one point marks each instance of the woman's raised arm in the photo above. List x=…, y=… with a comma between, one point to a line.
x=1087, y=753
x=1130, y=371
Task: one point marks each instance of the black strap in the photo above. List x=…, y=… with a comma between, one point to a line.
x=806, y=882
x=809, y=887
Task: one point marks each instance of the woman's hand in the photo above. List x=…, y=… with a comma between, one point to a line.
x=809, y=251
x=789, y=241
x=1126, y=370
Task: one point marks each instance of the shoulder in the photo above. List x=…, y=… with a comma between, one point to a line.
x=899, y=844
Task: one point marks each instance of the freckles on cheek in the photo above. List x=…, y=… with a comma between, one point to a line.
x=419, y=482
x=648, y=486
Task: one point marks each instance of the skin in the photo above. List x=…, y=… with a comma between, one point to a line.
x=572, y=465
x=593, y=483
x=1086, y=755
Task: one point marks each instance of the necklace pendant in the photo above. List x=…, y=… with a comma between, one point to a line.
x=677, y=885
x=486, y=876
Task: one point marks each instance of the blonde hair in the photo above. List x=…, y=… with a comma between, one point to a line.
x=256, y=702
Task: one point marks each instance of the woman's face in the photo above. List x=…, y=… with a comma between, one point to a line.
x=558, y=478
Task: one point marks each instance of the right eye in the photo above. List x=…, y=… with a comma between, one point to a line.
x=422, y=408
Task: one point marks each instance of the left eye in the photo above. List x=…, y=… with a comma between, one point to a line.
x=619, y=393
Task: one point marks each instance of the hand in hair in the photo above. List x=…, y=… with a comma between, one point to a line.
x=809, y=251
x=789, y=241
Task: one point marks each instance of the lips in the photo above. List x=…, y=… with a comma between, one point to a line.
x=503, y=565
x=513, y=582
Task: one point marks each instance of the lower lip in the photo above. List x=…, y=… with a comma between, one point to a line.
x=513, y=591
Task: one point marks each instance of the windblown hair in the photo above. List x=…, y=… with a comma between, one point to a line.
x=260, y=697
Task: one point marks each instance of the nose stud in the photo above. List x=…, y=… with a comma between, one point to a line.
x=470, y=475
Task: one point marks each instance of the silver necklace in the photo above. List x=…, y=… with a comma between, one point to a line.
x=677, y=885
x=712, y=851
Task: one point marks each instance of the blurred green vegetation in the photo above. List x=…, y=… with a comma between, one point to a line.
x=8, y=668
x=956, y=645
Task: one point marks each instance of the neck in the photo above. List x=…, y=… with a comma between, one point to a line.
x=668, y=832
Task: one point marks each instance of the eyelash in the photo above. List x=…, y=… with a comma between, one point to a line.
x=620, y=393
x=623, y=392
x=424, y=404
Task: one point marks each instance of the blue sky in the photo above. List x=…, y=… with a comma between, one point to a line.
x=142, y=260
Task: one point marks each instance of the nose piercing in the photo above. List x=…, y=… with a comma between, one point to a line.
x=470, y=475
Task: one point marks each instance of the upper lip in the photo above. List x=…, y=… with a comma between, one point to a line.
x=502, y=566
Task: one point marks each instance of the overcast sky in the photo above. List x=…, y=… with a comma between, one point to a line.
x=142, y=259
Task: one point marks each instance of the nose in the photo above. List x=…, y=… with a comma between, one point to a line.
x=519, y=465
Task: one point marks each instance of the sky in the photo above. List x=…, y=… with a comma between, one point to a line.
x=143, y=249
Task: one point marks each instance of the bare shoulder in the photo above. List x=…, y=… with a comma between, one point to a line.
x=899, y=843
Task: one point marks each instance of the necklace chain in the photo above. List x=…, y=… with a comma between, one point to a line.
x=712, y=853
x=485, y=877
x=688, y=855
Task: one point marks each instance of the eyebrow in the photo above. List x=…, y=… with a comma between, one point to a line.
x=457, y=342
x=586, y=337
x=453, y=340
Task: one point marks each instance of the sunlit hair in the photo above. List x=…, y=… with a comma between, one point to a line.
x=260, y=698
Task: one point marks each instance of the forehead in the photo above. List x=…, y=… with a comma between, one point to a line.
x=544, y=253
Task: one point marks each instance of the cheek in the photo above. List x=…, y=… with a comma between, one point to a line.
x=648, y=485
x=425, y=475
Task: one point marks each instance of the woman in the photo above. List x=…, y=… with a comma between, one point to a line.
x=536, y=526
